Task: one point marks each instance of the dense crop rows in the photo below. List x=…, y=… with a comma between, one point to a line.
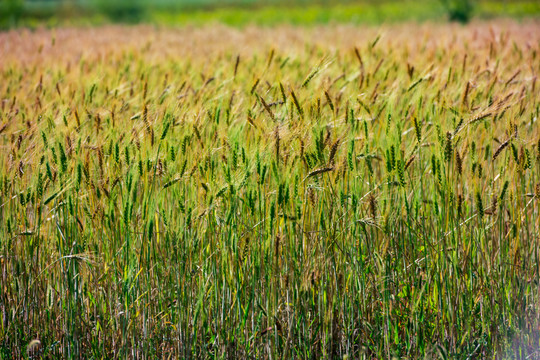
x=270, y=193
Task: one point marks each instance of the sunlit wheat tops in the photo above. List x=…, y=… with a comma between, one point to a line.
x=270, y=193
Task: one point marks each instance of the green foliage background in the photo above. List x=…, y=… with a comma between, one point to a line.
x=243, y=12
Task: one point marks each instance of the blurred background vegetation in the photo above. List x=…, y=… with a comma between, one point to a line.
x=263, y=12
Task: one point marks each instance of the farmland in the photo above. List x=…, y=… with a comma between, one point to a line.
x=270, y=192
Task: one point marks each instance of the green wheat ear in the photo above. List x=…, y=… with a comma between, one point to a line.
x=401, y=172
x=418, y=130
x=479, y=205
x=448, y=149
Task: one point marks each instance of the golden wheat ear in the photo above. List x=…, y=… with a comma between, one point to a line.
x=33, y=347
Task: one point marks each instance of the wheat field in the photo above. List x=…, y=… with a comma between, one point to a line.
x=328, y=192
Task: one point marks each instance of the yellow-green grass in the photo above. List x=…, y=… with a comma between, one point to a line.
x=273, y=193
